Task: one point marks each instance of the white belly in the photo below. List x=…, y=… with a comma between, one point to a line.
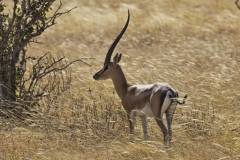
x=146, y=110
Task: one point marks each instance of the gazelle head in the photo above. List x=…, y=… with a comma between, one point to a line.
x=110, y=67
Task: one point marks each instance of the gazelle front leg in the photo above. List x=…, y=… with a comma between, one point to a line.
x=132, y=122
x=144, y=126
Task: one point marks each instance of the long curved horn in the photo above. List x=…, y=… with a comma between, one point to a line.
x=115, y=42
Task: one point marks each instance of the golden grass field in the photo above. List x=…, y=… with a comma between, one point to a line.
x=193, y=45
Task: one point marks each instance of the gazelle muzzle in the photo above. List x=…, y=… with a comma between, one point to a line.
x=98, y=75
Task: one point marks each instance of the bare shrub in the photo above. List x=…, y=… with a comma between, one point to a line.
x=26, y=21
x=47, y=74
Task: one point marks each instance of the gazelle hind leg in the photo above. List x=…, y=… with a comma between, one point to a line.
x=165, y=107
x=160, y=123
x=169, y=117
x=158, y=104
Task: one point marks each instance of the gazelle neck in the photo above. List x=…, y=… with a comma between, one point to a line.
x=120, y=82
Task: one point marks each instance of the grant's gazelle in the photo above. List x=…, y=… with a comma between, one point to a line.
x=144, y=100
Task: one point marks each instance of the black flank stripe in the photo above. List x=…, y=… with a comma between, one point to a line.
x=174, y=94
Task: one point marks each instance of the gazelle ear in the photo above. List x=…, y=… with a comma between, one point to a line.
x=117, y=58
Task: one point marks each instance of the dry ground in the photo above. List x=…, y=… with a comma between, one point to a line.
x=193, y=45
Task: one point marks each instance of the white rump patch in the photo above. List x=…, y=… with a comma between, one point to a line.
x=166, y=104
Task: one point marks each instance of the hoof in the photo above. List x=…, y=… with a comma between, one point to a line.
x=167, y=141
x=146, y=137
x=167, y=144
x=131, y=137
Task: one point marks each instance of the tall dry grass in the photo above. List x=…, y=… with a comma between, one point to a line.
x=193, y=45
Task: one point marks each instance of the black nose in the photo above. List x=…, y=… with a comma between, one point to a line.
x=95, y=77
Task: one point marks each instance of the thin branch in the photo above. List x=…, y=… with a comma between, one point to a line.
x=81, y=60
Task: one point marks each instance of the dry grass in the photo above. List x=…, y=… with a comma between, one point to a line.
x=193, y=45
